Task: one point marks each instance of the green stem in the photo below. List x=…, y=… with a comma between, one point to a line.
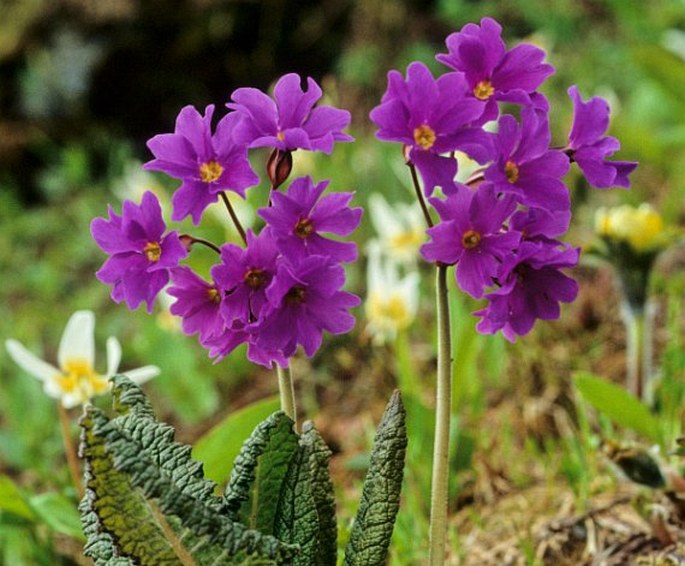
x=635, y=329
x=286, y=388
x=443, y=412
x=69, y=449
x=234, y=216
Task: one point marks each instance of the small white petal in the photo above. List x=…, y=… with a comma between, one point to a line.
x=78, y=340
x=53, y=389
x=113, y=355
x=29, y=362
x=71, y=400
x=141, y=375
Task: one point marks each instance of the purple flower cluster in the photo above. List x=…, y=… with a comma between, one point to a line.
x=284, y=287
x=501, y=228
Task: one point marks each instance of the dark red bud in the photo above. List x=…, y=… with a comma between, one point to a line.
x=278, y=167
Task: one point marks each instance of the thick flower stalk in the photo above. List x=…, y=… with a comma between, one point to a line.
x=500, y=228
x=282, y=288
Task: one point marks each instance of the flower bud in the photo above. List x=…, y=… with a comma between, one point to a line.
x=278, y=167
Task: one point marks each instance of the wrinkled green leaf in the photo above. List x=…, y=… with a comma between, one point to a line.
x=136, y=473
x=255, y=484
x=13, y=501
x=59, y=513
x=218, y=448
x=373, y=525
x=318, y=455
x=622, y=407
x=296, y=520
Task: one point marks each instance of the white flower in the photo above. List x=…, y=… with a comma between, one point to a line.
x=401, y=228
x=391, y=302
x=75, y=382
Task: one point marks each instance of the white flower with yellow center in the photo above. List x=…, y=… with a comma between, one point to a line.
x=401, y=228
x=391, y=302
x=75, y=381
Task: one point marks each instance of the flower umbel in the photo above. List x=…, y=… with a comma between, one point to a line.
x=75, y=381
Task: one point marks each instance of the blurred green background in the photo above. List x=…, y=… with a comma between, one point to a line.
x=84, y=84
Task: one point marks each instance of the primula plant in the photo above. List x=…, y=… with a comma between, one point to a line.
x=630, y=240
x=501, y=227
x=280, y=290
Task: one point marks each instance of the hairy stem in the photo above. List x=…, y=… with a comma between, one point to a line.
x=234, y=216
x=183, y=555
x=443, y=411
x=286, y=388
x=70, y=449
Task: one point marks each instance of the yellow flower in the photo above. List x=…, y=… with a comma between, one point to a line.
x=642, y=227
x=75, y=381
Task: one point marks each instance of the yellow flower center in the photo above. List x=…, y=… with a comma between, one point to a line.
x=304, y=227
x=79, y=378
x=511, y=170
x=210, y=171
x=214, y=295
x=483, y=90
x=280, y=135
x=424, y=136
x=388, y=312
x=408, y=240
x=470, y=239
x=152, y=251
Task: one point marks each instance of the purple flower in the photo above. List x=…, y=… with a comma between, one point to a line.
x=471, y=236
x=492, y=72
x=540, y=224
x=304, y=300
x=525, y=166
x=432, y=117
x=589, y=147
x=245, y=275
x=221, y=345
x=207, y=164
x=532, y=287
x=141, y=255
x=197, y=304
x=292, y=121
x=298, y=218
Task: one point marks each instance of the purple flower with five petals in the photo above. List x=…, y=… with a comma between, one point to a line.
x=207, y=164
x=197, y=303
x=432, y=117
x=298, y=218
x=141, y=254
x=245, y=275
x=589, y=147
x=304, y=300
x=493, y=73
x=291, y=121
x=471, y=235
x=532, y=286
x=525, y=166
